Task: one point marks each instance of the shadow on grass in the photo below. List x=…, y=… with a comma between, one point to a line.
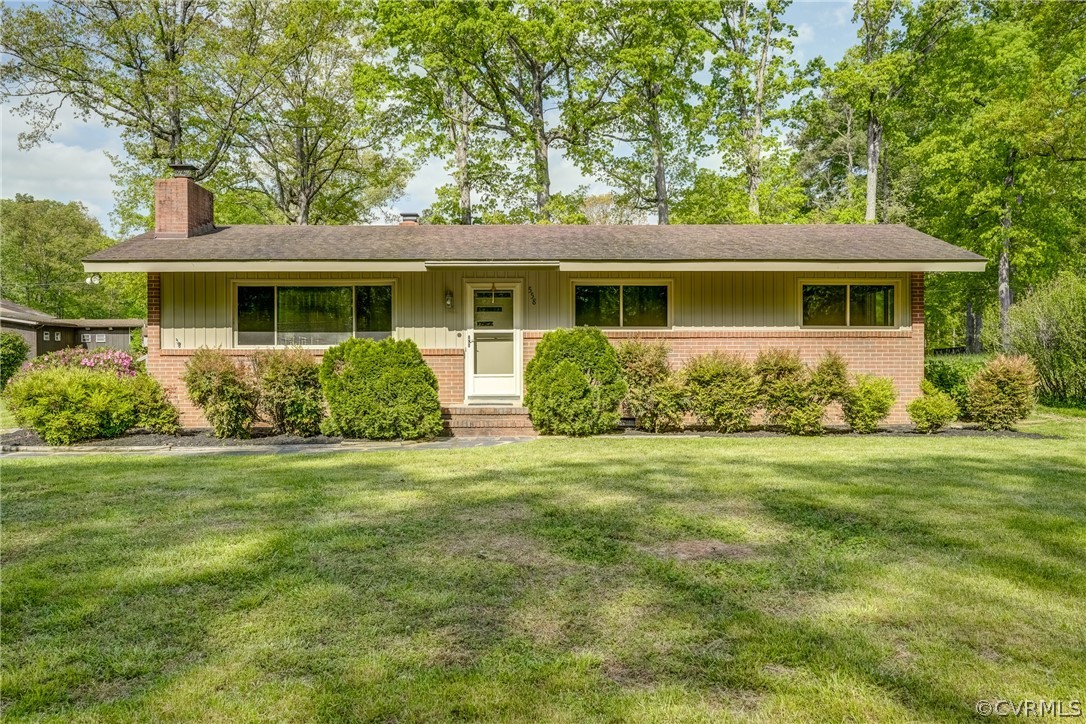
x=526, y=582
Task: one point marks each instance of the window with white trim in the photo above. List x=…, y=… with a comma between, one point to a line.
x=85, y=338
x=621, y=305
x=99, y=338
x=848, y=305
x=312, y=315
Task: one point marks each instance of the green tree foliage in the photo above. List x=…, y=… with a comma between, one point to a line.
x=42, y=244
x=1049, y=326
x=317, y=142
x=752, y=72
x=13, y=352
x=635, y=113
x=174, y=76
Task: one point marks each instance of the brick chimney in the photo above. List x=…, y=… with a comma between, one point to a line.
x=409, y=219
x=182, y=208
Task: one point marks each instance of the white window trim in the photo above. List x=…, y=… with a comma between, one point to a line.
x=233, y=311
x=599, y=282
x=901, y=305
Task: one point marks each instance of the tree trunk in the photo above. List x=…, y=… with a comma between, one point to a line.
x=1004, y=272
x=542, y=173
x=462, y=178
x=658, y=162
x=460, y=137
x=973, y=327
x=661, y=188
x=874, y=144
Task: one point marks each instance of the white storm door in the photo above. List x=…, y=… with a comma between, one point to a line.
x=492, y=356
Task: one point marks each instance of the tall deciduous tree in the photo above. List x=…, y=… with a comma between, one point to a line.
x=875, y=72
x=636, y=106
x=176, y=77
x=752, y=73
x=42, y=244
x=999, y=152
x=316, y=143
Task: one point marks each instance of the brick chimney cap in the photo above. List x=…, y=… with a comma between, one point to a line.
x=183, y=170
x=409, y=219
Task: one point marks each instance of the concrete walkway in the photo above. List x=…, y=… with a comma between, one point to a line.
x=33, y=451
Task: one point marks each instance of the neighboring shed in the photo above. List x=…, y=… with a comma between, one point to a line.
x=46, y=333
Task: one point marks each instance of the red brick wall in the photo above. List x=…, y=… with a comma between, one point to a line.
x=896, y=353
x=168, y=365
x=182, y=208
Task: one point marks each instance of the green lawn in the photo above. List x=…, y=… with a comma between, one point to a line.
x=7, y=419
x=777, y=579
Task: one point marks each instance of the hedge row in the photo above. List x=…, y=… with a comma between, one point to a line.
x=578, y=382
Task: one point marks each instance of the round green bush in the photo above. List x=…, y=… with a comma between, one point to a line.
x=65, y=405
x=13, y=352
x=933, y=410
x=829, y=380
x=1003, y=393
x=574, y=385
x=723, y=391
x=867, y=402
x=290, y=390
x=379, y=391
x=224, y=390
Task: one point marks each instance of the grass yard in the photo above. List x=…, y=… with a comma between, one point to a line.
x=774, y=579
x=7, y=418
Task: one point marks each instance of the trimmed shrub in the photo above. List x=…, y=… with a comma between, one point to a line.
x=13, y=352
x=1003, y=392
x=100, y=359
x=933, y=410
x=224, y=390
x=829, y=380
x=867, y=402
x=66, y=405
x=785, y=393
x=723, y=391
x=154, y=411
x=663, y=406
x=952, y=373
x=574, y=385
x=1049, y=326
x=804, y=418
x=380, y=391
x=655, y=397
x=290, y=390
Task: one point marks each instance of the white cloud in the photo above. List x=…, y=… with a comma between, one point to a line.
x=72, y=167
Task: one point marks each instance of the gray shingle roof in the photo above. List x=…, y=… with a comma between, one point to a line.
x=497, y=243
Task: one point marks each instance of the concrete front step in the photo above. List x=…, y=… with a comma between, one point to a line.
x=487, y=421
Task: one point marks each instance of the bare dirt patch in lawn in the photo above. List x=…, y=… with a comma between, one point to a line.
x=705, y=550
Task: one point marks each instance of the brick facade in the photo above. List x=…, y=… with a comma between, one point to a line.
x=894, y=353
x=168, y=365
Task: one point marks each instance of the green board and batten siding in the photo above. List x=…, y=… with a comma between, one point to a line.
x=197, y=307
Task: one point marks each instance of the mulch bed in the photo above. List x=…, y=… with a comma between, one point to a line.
x=188, y=438
x=204, y=438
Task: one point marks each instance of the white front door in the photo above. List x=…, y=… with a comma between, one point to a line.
x=493, y=357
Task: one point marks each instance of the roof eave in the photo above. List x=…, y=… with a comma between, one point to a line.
x=332, y=265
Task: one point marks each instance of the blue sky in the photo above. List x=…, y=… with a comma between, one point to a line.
x=75, y=167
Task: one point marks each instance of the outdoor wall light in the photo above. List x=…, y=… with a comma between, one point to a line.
x=448, y=299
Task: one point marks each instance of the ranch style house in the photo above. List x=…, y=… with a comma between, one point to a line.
x=477, y=299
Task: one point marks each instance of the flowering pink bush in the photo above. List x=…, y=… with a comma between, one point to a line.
x=101, y=359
